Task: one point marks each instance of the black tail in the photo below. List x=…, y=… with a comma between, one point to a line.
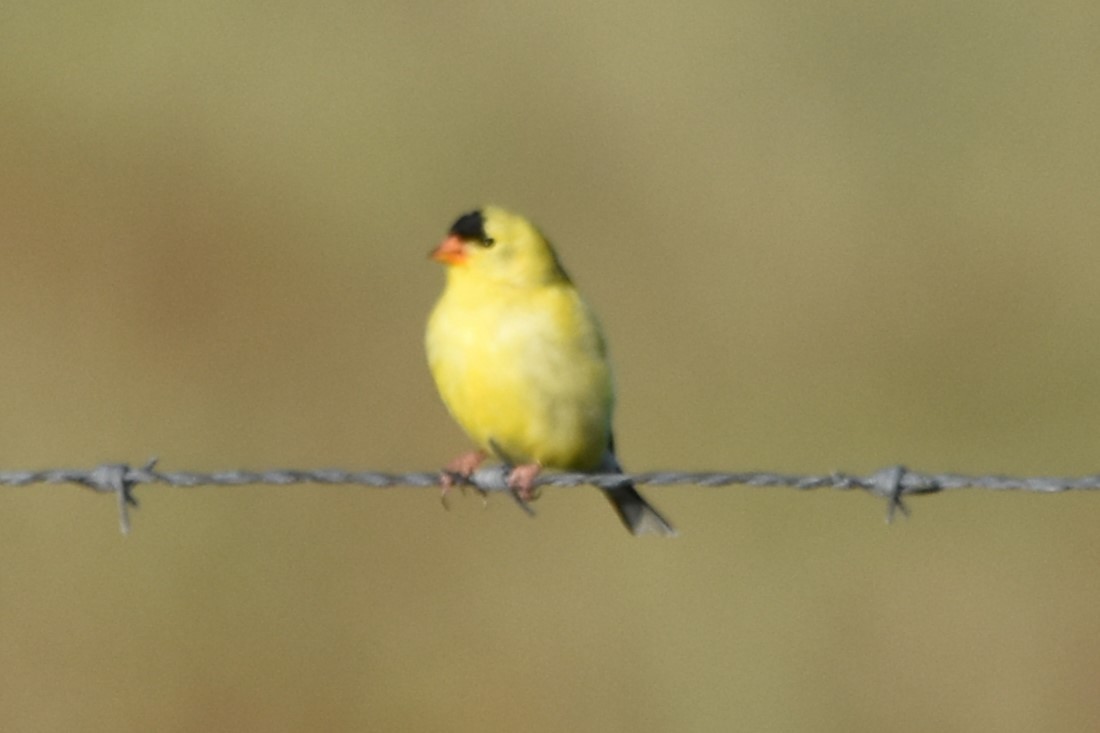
x=636, y=513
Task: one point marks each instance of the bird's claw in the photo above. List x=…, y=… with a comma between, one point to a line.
x=522, y=482
x=458, y=472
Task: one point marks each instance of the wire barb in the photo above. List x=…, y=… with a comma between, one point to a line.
x=114, y=478
x=888, y=483
x=892, y=484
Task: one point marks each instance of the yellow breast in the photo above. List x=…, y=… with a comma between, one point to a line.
x=523, y=371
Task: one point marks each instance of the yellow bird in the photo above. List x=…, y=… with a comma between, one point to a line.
x=521, y=363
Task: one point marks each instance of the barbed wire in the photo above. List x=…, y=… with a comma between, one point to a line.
x=892, y=483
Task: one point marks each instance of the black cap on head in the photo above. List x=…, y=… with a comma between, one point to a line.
x=470, y=226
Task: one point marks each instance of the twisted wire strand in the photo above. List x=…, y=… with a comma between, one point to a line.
x=892, y=483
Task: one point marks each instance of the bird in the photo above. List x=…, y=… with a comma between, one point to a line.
x=521, y=363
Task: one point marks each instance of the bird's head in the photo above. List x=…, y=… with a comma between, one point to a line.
x=497, y=245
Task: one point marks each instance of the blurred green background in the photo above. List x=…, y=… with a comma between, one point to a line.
x=820, y=236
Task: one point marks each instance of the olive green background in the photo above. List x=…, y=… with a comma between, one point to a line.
x=820, y=236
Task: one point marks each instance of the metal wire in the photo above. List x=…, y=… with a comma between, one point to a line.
x=892, y=483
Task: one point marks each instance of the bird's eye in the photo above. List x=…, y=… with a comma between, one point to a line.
x=488, y=242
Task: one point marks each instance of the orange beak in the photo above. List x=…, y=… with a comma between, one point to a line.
x=451, y=252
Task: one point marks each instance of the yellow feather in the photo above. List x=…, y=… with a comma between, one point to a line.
x=517, y=354
x=519, y=358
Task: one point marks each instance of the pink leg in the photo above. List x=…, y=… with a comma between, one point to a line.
x=522, y=481
x=458, y=469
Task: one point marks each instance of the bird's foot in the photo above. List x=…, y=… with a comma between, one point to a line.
x=457, y=471
x=522, y=481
